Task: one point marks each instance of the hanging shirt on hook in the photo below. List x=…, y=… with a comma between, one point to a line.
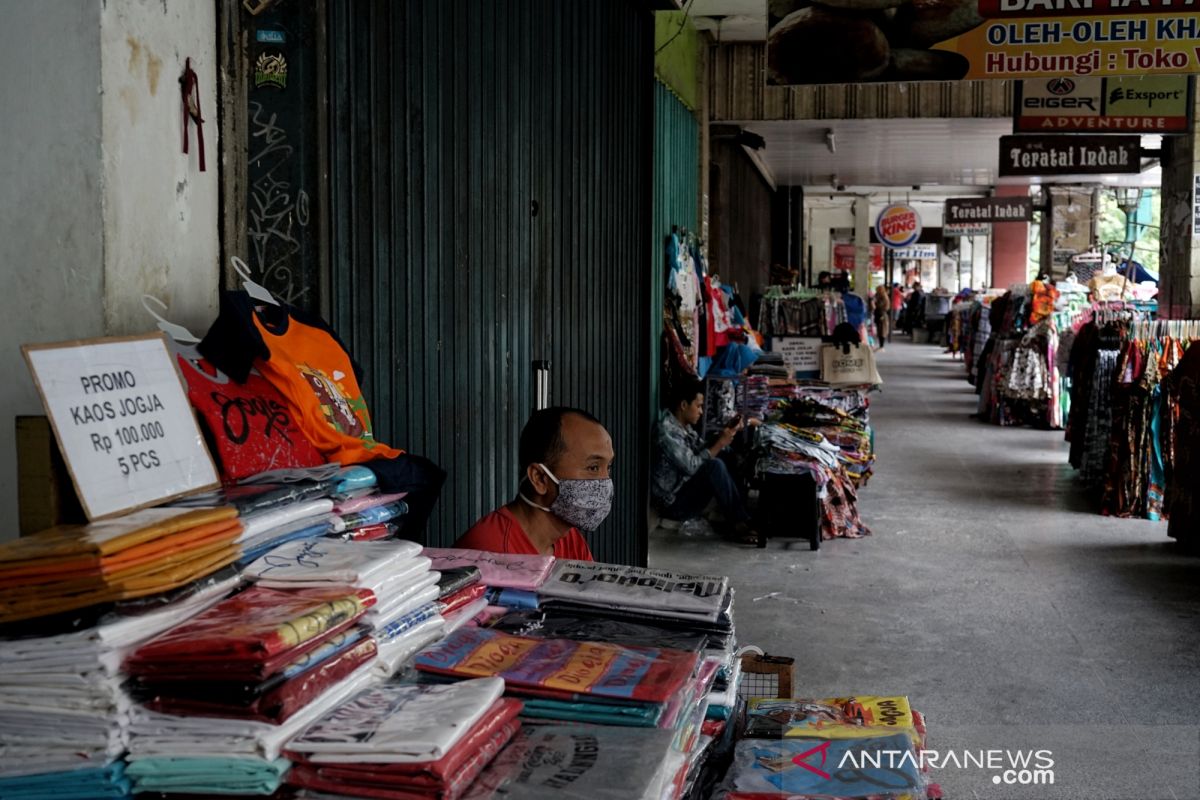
x=302, y=357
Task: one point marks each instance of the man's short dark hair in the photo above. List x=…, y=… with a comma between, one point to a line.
x=541, y=438
x=684, y=392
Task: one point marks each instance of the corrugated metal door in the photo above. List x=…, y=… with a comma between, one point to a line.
x=676, y=194
x=489, y=188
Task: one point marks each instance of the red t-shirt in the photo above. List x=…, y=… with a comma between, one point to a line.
x=500, y=532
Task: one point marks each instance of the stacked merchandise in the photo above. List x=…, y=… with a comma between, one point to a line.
x=503, y=581
x=552, y=762
x=224, y=691
x=756, y=391
x=822, y=431
x=788, y=450
x=788, y=741
x=64, y=710
x=145, y=553
x=273, y=513
x=405, y=616
x=406, y=741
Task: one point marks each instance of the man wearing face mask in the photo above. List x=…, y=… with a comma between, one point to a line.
x=565, y=456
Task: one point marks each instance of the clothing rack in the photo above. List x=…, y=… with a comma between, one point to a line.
x=1160, y=328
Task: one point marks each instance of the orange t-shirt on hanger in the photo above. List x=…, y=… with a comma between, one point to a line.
x=302, y=358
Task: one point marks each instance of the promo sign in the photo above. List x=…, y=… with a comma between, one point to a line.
x=1070, y=155
x=944, y=40
x=898, y=225
x=1153, y=104
x=123, y=422
x=988, y=209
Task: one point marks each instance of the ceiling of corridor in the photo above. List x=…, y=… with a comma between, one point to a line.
x=899, y=152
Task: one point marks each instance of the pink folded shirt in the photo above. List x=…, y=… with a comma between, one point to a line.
x=504, y=570
x=356, y=504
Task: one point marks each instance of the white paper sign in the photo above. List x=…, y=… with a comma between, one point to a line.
x=800, y=353
x=123, y=422
x=924, y=252
x=1196, y=205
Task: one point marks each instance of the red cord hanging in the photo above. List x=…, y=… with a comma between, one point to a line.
x=189, y=85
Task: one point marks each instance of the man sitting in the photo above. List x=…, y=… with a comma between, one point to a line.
x=687, y=474
x=565, y=457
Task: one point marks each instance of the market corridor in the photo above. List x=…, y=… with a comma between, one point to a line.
x=992, y=595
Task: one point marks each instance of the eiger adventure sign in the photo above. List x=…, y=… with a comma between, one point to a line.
x=122, y=421
x=1070, y=155
x=855, y=41
x=988, y=209
x=1154, y=104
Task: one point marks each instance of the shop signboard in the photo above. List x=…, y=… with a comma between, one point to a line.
x=801, y=354
x=843, y=256
x=988, y=209
x=979, y=39
x=916, y=252
x=1151, y=104
x=122, y=421
x=1073, y=154
x=967, y=229
x=898, y=225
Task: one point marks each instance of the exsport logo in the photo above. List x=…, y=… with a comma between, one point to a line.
x=1135, y=96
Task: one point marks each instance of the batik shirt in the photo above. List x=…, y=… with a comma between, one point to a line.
x=679, y=452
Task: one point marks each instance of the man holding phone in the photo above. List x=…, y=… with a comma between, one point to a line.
x=688, y=473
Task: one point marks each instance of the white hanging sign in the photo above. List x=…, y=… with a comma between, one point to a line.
x=122, y=421
x=800, y=353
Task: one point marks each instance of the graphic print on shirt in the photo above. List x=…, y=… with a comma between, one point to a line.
x=336, y=404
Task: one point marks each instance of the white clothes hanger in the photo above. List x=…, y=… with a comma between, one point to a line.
x=177, y=332
x=253, y=289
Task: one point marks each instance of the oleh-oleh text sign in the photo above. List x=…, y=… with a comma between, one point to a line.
x=853, y=41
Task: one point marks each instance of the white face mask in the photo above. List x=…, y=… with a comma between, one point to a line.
x=582, y=504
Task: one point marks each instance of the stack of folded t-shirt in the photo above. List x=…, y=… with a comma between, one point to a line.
x=64, y=712
x=406, y=741
x=461, y=594
x=405, y=616
x=511, y=580
x=224, y=691
x=144, y=553
x=273, y=513
x=786, y=738
x=568, y=680
x=371, y=517
x=581, y=762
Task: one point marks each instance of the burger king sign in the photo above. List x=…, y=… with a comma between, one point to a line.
x=898, y=225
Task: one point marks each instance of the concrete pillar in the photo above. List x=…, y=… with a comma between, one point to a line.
x=1010, y=245
x=862, y=245
x=1179, y=286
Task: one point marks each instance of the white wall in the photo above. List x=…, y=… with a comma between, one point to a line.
x=97, y=203
x=160, y=211
x=51, y=240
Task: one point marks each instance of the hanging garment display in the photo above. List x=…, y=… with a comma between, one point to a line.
x=303, y=358
x=248, y=424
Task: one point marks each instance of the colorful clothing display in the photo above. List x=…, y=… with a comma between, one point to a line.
x=304, y=359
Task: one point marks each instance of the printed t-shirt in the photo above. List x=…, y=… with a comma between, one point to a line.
x=302, y=358
x=500, y=532
x=249, y=423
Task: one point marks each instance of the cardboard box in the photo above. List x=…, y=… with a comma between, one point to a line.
x=45, y=495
